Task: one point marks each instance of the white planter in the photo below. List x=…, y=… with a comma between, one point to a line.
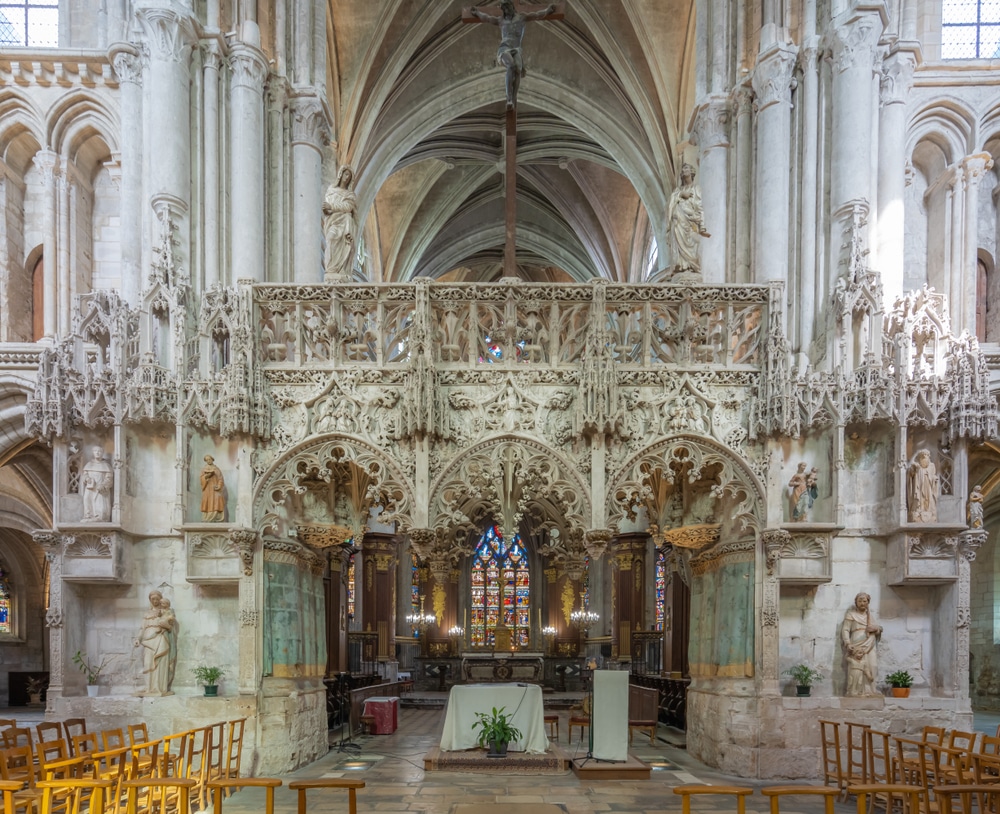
x=92, y=690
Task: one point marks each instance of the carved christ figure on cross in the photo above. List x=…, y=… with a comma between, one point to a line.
x=511, y=23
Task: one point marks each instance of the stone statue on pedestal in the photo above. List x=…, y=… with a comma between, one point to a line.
x=976, y=507
x=96, y=480
x=339, y=227
x=922, y=489
x=860, y=634
x=158, y=638
x=685, y=223
x=213, y=499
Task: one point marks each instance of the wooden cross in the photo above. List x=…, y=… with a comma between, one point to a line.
x=510, y=142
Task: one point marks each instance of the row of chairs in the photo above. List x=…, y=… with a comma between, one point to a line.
x=199, y=756
x=90, y=795
x=855, y=753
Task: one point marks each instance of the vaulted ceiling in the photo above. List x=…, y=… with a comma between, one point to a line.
x=418, y=107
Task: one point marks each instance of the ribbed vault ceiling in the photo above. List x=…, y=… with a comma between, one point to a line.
x=418, y=105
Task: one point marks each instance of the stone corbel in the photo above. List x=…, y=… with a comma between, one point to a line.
x=969, y=542
x=928, y=555
x=595, y=541
x=804, y=555
x=774, y=540
x=245, y=540
x=94, y=557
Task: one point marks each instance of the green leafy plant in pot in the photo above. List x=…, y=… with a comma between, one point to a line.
x=495, y=730
x=92, y=671
x=209, y=676
x=900, y=681
x=804, y=676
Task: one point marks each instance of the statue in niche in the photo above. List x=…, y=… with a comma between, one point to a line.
x=96, y=480
x=685, y=223
x=511, y=23
x=158, y=638
x=803, y=489
x=860, y=634
x=976, y=507
x=338, y=227
x=923, y=488
x=213, y=499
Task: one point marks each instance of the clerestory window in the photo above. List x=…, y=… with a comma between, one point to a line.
x=6, y=604
x=29, y=23
x=970, y=29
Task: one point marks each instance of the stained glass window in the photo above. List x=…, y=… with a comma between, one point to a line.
x=31, y=23
x=414, y=591
x=661, y=588
x=970, y=29
x=350, y=588
x=6, y=622
x=501, y=588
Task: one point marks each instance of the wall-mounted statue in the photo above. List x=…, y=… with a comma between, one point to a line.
x=922, y=489
x=860, y=634
x=803, y=489
x=213, y=498
x=158, y=638
x=685, y=222
x=976, y=507
x=339, y=227
x=96, y=480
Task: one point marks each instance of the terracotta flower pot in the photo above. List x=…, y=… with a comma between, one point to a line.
x=900, y=692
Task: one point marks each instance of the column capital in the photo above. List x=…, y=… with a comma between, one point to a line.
x=47, y=162
x=975, y=166
x=772, y=76
x=855, y=39
x=897, y=77
x=249, y=67
x=170, y=33
x=710, y=123
x=310, y=124
x=127, y=62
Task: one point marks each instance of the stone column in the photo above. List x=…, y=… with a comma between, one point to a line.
x=807, y=283
x=246, y=180
x=52, y=543
x=245, y=542
x=379, y=556
x=744, y=183
x=65, y=192
x=47, y=162
x=963, y=305
x=710, y=127
x=628, y=587
x=170, y=34
x=897, y=77
x=855, y=37
x=771, y=83
x=210, y=163
x=772, y=540
x=309, y=135
x=336, y=613
x=128, y=67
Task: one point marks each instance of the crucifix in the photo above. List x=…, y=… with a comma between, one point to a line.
x=511, y=21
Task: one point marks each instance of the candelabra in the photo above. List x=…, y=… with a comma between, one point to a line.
x=421, y=621
x=455, y=634
x=550, y=638
x=584, y=619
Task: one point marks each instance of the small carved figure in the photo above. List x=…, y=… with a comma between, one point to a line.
x=685, y=222
x=213, y=499
x=511, y=23
x=922, y=489
x=802, y=492
x=338, y=227
x=860, y=634
x=96, y=480
x=976, y=507
x=158, y=638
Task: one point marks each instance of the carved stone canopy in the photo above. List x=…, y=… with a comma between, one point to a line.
x=698, y=536
x=323, y=535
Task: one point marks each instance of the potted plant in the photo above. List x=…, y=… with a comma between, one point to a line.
x=35, y=687
x=92, y=672
x=496, y=730
x=209, y=676
x=900, y=681
x=804, y=676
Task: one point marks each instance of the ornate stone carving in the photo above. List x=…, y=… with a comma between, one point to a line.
x=54, y=618
x=249, y=67
x=169, y=33
x=244, y=540
x=309, y=122
x=897, y=77
x=774, y=542
x=89, y=546
x=854, y=41
x=710, y=123
x=932, y=547
x=969, y=542
x=127, y=63
x=772, y=77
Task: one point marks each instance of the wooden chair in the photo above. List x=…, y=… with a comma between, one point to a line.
x=216, y=750
x=776, y=793
x=7, y=789
x=173, y=755
x=84, y=745
x=234, y=749
x=49, y=731
x=228, y=784
x=143, y=760
x=686, y=792
x=910, y=797
x=74, y=726
x=15, y=736
x=78, y=795
x=113, y=739
x=856, y=762
x=5, y=722
x=880, y=763
x=159, y=793
x=833, y=768
x=198, y=765
x=18, y=764
x=47, y=751
x=986, y=767
x=112, y=765
x=138, y=733
x=579, y=718
x=352, y=786
x=551, y=721
x=987, y=798
x=649, y=727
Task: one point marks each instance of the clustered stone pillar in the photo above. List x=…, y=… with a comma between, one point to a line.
x=379, y=555
x=128, y=67
x=309, y=136
x=47, y=163
x=336, y=612
x=711, y=128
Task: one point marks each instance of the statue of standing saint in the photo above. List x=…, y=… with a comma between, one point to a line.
x=685, y=223
x=96, y=480
x=158, y=640
x=922, y=489
x=860, y=634
x=511, y=23
x=339, y=227
x=213, y=499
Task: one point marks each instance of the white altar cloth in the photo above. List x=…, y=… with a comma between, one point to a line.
x=523, y=701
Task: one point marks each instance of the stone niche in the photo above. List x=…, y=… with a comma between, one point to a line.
x=95, y=556
x=804, y=556
x=924, y=556
x=212, y=557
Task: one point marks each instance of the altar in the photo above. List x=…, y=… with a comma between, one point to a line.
x=502, y=666
x=522, y=701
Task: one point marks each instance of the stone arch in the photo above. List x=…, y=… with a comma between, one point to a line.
x=512, y=479
x=315, y=458
x=651, y=476
x=946, y=122
x=75, y=120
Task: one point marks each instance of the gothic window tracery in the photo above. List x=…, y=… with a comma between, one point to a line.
x=501, y=590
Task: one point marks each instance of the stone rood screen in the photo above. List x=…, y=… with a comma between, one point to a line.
x=511, y=325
